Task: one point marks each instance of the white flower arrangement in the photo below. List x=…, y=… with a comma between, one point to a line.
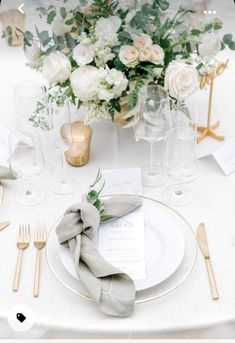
x=103, y=53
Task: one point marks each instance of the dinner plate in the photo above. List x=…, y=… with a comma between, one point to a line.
x=170, y=237
x=164, y=248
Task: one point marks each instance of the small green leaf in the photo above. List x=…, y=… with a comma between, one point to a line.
x=227, y=39
x=63, y=12
x=69, y=21
x=50, y=17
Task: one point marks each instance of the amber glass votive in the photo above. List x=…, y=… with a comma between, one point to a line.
x=79, y=152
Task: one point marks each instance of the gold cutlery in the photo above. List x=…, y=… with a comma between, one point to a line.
x=22, y=244
x=3, y=225
x=39, y=243
x=203, y=244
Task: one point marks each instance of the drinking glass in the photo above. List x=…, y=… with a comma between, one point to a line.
x=31, y=107
x=61, y=134
x=180, y=164
x=27, y=162
x=154, y=120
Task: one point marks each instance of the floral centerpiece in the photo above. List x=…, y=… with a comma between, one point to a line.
x=101, y=54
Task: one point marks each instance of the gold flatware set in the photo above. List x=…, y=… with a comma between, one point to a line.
x=23, y=242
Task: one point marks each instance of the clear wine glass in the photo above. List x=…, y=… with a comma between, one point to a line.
x=154, y=120
x=27, y=162
x=180, y=164
x=61, y=134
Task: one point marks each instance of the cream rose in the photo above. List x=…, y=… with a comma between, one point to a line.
x=145, y=55
x=157, y=54
x=211, y=45
x=85, y=83
x=181, y=80
x=56, y=67
x=143, y=41
x=129, y=55
x=83, y=54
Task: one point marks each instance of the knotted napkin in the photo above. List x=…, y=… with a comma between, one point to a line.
x=111, y=289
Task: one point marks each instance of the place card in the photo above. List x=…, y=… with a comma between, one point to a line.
x=121, y=243
x=122, y=181
x=225, y=156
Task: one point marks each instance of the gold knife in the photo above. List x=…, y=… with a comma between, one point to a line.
x=3, y=225
x=203, y=244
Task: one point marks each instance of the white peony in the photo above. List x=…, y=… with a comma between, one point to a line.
x=157, y=54
x=103, y=55
x=143, y=41
x=112, y=83
x=181, y=80
x=56, y=67
x=59, y=28
x=34, y=55
x=85, y=83
x=106, y=30
x=83, y=54
x=129, y=55
x=211, y=45
x=145, y=55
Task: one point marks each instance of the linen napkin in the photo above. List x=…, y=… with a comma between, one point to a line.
x=111, y=289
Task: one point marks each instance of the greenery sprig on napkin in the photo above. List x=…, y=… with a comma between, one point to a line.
x=93, y=197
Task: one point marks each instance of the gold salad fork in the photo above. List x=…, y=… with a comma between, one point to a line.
x=23, y=241
x=39, y=243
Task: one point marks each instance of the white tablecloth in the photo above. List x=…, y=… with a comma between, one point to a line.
x=188, y=312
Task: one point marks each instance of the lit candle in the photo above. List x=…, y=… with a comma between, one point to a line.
x=79, y=152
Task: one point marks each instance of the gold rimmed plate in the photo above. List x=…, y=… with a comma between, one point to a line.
x=162, y=250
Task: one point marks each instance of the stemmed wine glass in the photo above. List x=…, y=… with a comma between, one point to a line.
x=61, y=134
x=180, y=164
x=153, y=121
x=27, y=162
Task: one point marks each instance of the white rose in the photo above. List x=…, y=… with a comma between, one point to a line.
x=56, y=67
x=34, y=55
x=129, y=55
x=181, y=80
x=211, y=45
x=157, y=54
x=59, y=28
x=145, y=55
x=83, y=54
x=143, y=41
x=85, y=83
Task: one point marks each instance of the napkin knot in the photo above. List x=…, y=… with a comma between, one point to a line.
x=111, y=289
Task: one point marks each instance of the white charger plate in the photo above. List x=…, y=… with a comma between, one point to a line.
x=164, y=248
x=181, y=274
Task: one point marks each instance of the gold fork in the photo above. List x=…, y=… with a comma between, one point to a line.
x=23, y=241
x=39, y=243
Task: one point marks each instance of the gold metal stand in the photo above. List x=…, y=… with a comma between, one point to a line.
x=209, y=130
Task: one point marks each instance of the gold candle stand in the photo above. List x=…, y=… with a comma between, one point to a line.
x=208, y=79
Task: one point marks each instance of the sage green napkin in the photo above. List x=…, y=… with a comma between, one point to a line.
x=5, y=173
x=111, y=289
